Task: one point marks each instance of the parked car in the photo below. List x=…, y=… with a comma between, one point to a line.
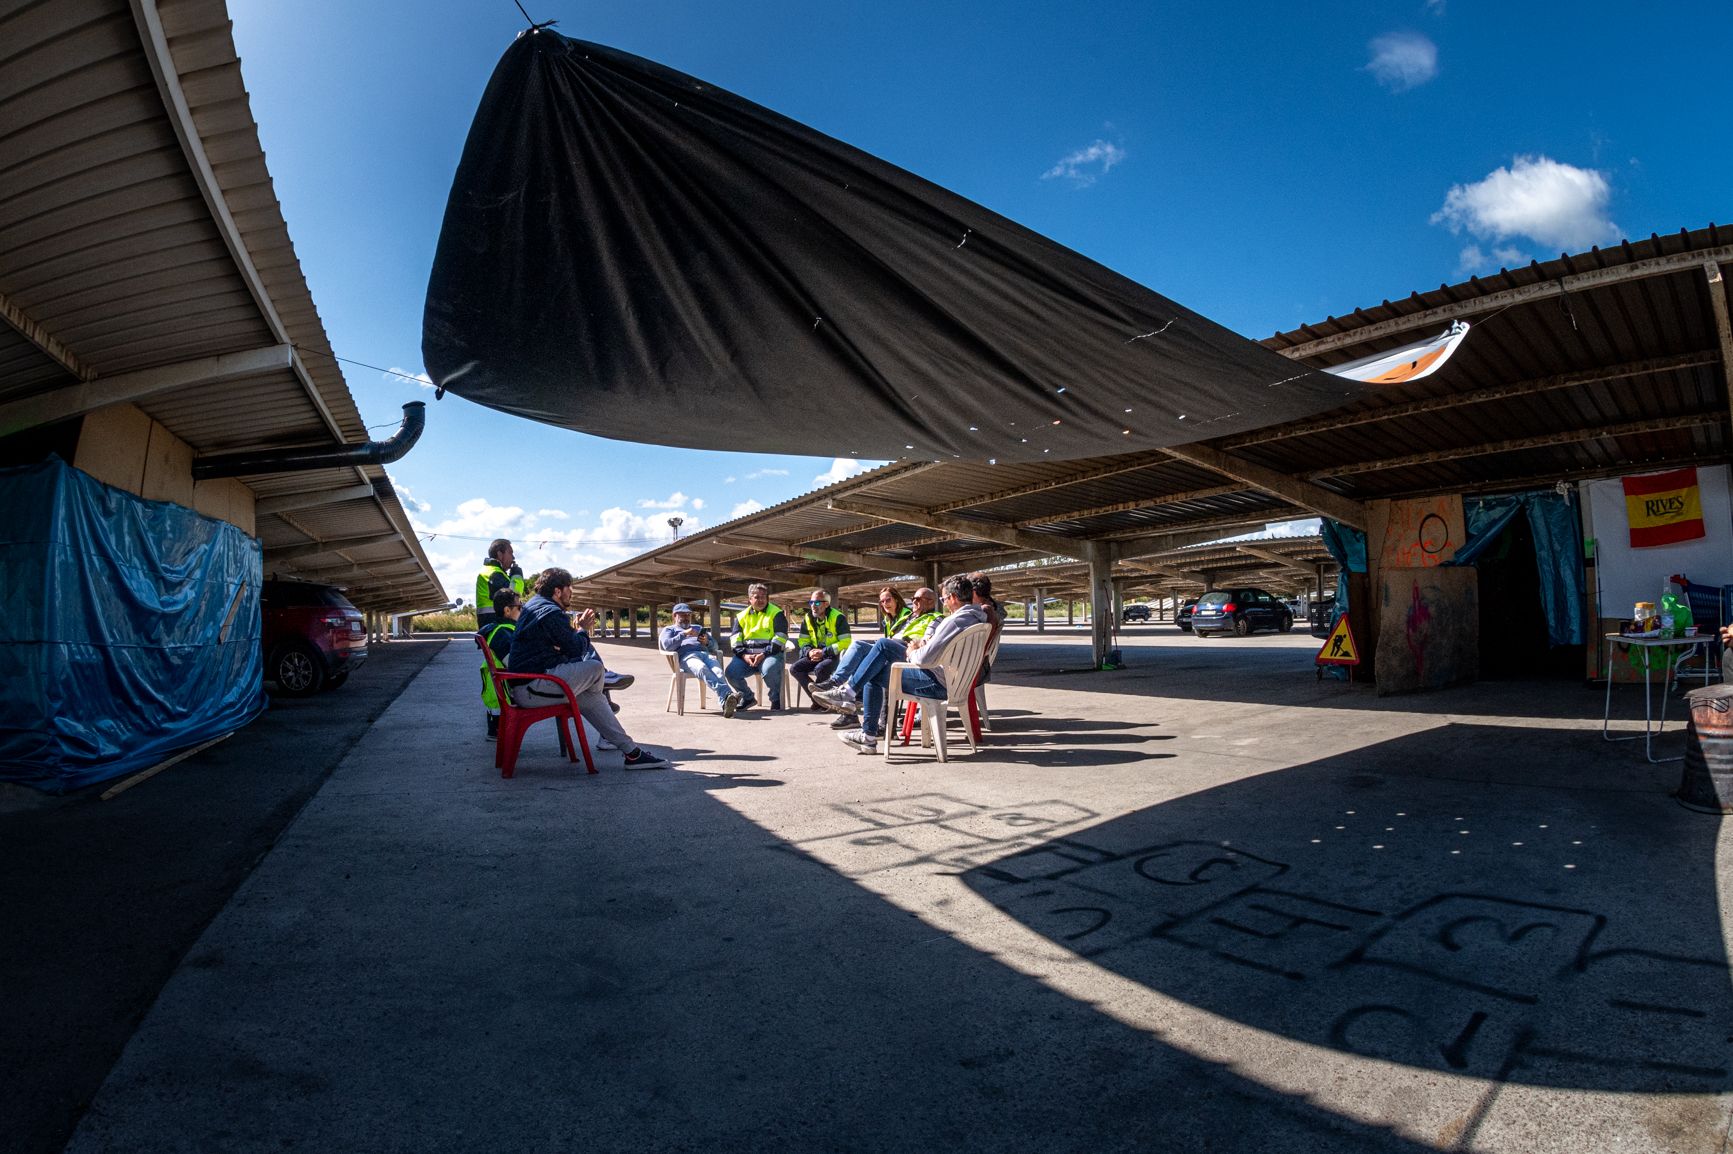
x=312, y=636
x=1241, y=611
x=1134, y=613
x=1323, y=616
x=1183, y=617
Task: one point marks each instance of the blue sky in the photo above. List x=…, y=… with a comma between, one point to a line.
x=1265, y=164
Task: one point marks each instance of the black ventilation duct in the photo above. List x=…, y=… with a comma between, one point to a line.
x=298, y=460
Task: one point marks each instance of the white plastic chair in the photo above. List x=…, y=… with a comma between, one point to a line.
x=961, y=661
x=981, y=689
x=677, y=686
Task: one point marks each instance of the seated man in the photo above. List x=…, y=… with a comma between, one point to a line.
x=760, y=636
x=692, y=648
x=824, y=638
x=866, y=688
x=545, y=642
x=908, y=627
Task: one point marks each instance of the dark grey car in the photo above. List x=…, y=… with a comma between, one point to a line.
x=1243, y=611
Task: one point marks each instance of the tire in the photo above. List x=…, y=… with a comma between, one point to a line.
x=297, y=670
x=1185, y=629
x=1242, y=627
x=1287, y=624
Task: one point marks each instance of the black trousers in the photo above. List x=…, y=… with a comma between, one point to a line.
x=806, y=670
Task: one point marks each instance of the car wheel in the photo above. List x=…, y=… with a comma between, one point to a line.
x=297, y=670
x=1287, y=623
x=1242, y=627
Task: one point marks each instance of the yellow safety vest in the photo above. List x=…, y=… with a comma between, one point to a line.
x=817, y=635
x=917, y=626
x=488, y=697
x=484, y=581
x=759, y=625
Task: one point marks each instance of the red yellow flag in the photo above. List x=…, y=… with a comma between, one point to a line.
x=1663, y=508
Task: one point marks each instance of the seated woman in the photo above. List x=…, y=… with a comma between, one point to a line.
x=692, y=648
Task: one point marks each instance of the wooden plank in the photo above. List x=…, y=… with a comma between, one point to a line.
x=144, y=775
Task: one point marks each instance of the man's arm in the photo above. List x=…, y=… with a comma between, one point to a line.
x=498, y=583
x=778, y=633
x=843, y=637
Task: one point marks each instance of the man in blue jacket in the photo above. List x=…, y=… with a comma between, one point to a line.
x=693, y=649
x=546, y=643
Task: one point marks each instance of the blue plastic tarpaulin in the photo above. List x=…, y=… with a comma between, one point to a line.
x=1558, y=551
x=128, y=629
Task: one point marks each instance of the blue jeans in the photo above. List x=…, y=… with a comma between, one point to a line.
x=770, y=667
x=702, y=664
x=874, y=660
x=872, y=684
x=850, y=660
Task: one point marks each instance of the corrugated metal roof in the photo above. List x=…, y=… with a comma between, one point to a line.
x=120, y=251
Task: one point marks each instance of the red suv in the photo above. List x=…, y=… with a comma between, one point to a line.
x=312, y=636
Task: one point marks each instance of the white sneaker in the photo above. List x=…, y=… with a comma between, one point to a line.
x=861, y=742
x=731, y=703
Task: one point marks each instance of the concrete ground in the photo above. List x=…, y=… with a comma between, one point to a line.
x=1203, y=903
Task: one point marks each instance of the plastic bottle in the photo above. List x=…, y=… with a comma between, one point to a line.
x=1675, y=611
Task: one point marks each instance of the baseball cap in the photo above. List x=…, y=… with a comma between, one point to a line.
x=682, y=608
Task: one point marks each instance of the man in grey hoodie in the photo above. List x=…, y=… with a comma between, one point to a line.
x=691, y=646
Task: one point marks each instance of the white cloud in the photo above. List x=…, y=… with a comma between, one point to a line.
x=1436, y=7
x=1473, y=259
x=553, y=514
x=407, y=499
x=460, y=542
x=1087, y=164
x=1402, y=60
x=697, y=503
x=1557, y=205
x=841, y=467
x=757, y=473
x=729, y=480
x=745, y=507
x=676, y=500
x=397, y=374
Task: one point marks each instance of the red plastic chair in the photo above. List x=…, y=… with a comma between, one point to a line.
x=514, y=720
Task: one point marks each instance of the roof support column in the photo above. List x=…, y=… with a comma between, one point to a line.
x=715, y=598
x=1102, y=596
x=1040, y=609
x=1723, y=325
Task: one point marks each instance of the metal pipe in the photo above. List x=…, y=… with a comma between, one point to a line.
x=296, y=460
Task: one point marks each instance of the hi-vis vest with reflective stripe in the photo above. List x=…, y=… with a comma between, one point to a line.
x=759, y=625
x=815, y=634
x=483, y=580
x=488, y=697
x=917, y=626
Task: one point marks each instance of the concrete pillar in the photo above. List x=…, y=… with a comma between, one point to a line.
x=632, y=622
x=1040, y=609
x=715, y=598
x=932, y=577
x=1070, y=609
x=1118, y=603
x=1101, y=599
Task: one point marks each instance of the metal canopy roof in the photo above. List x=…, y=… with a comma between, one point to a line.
x=144, y=259
x=1605, y=362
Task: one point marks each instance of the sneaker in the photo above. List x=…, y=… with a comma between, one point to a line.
x=817, y=708
x=862, y=741
x=731, y=703
x=612, y=680
x=838, y=700
x=844, y=721
x=644, y=759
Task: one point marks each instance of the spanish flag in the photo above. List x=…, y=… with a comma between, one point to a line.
x=1663, y=508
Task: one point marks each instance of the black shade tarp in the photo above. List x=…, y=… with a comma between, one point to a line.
x=633, y=253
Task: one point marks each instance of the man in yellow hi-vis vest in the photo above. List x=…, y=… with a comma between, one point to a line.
x=824, y=636
x=499, y=571
x=760, y=635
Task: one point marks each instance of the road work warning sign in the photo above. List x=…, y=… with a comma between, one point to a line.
x=1339, y=647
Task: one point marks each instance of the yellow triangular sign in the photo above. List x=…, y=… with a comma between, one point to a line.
x=1339, y=647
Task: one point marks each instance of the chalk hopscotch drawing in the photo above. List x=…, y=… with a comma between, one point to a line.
x=1484, y=984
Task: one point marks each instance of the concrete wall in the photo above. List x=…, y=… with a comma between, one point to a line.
x=123, y=447
x=1428, y=628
